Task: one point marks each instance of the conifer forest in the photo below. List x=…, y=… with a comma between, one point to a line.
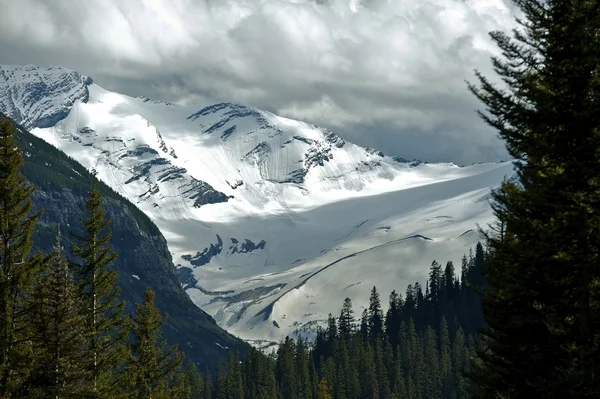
x=517, y=317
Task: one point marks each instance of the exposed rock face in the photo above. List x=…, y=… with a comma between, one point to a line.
x=230, y=114
x=204, y=257
x=40, y=97
x=245, y=246
x=143, y=259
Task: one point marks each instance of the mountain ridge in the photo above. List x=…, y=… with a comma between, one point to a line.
x=143, y=256
x=251, y=203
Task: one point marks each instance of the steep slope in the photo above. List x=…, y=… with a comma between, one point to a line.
x=144, y=258
x=40, y=97
x=271, y=221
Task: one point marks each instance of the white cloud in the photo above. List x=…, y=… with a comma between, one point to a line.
x=377, y=71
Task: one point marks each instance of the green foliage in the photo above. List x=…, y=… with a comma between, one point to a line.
x=409, y=354
x=63, y=187
x=65, y=338
x=106, y=332
x=195, y=381
x=153, y=371
x=375, y=315
x=59, y=326
x=18, y=269
x=541, y=306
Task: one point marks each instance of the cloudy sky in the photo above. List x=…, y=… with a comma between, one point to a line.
x=388, y=74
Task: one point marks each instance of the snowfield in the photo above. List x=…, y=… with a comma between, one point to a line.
x=272, y=222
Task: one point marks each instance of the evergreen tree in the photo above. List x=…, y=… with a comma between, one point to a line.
x=106, y=324
x=286, y=370
x=375, y=315
x=59, y=328
x=195, y=381
x=449, y=281
x=459, y=362
x=364, y=325
x=445, y=359
x=18, y=269
x=381, y=370
x=220, y=391
x=235, y=387
x=464, y=271
x=398, y=384
x=543, y=326
x=303, y=370
x=153, y=370
x=208, y=386
x=346, y=320
x=393, y=318
x=435, y=280
x=323, y=391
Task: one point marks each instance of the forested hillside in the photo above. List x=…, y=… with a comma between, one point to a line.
x=419, y=347
x=62, y=186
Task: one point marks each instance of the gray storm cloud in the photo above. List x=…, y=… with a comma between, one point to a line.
x=384, y=73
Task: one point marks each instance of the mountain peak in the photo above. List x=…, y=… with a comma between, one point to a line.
x=272, y=221
x=37, y=96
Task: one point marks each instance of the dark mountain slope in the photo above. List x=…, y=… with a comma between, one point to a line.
x=144, y=259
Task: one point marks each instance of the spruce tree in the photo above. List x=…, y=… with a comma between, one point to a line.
x=220, y=391
x=435, y=280
x=303, y=372
x=208, y=385
x=323, y=390
x=235, y=386
x=18, y=269
x=541, y=306
x=375, y=315
x=59, y=333
x=392, y=319
x=449, y=280
x=286, y=370
x=346, y=319
x=194, y=381
x=154, y=371
x=104, y=311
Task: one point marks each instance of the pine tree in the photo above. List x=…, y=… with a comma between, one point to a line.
x=543, y=332
x=106, y=323
x=153, y=370
x=18, y=269
x=59, y=328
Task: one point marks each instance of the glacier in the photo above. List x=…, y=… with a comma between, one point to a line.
x=272, y=222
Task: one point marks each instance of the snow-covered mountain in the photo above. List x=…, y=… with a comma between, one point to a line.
x=273, y=222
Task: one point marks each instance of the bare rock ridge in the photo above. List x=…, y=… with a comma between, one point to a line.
x=40, y=97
